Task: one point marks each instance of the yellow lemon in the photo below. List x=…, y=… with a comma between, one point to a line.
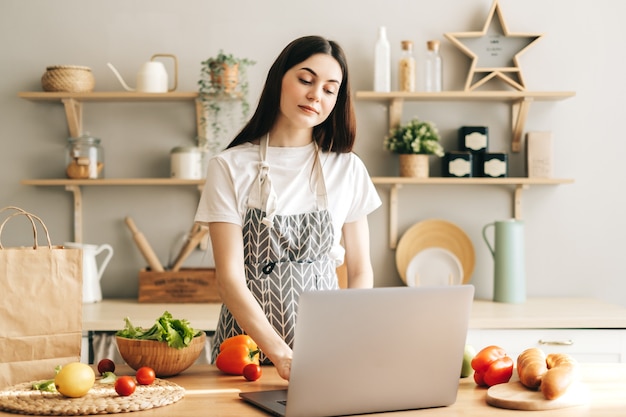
x=75, y=379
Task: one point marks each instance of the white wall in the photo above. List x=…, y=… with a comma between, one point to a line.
x=574, y=233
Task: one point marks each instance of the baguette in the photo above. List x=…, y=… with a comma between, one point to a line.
x=531, y=367
x=562, y=372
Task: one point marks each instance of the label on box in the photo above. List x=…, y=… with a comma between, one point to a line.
x=495, y=168
x=460, y=167
x=476, y=141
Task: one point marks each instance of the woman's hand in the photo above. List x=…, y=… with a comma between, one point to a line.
x=283, y=367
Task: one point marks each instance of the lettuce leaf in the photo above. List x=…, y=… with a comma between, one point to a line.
x=177, y=333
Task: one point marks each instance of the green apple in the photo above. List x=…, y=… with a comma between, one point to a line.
x=468, y=354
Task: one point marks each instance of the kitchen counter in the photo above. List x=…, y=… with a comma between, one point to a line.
x=108, y=315
x=209, y=392
x=535, y=313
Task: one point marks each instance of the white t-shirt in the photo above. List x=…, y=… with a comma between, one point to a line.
x=231, y=174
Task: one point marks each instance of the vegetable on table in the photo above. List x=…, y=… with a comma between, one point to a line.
x=492, y=366
x=235, y=353
x=252, y=371
x=176, y=332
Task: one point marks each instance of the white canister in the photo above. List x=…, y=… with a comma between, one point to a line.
x=187, y=162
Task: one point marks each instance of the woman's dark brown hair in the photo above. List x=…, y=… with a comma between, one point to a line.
x=337, y=133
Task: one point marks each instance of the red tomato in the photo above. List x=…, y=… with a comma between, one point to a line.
x=145, y=375
x=106, y=365
x=252, y=372
x=125, y=385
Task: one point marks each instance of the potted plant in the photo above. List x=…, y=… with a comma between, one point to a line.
x=222, y=87
x=414, y=142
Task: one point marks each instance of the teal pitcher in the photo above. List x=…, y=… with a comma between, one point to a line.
x=509, y=272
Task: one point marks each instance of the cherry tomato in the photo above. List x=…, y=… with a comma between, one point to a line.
x=125, y=385
x=145, y=375
x=252, y=372
x=106, y=365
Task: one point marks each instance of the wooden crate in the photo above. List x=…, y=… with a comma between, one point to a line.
x=192, y=285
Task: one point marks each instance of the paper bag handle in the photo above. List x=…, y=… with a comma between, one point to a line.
x=32, y=218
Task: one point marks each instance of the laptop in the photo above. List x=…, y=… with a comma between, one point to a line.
x=373, y=350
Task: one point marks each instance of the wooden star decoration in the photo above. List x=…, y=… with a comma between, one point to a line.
x=494, y=51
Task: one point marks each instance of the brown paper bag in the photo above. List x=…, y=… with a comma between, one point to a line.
x=40, y=306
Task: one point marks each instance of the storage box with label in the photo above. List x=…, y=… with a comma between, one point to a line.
x=457, y=165
x=495, y=165
x=539, y=154
x=192, y=285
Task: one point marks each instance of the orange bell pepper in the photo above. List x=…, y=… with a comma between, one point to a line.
x=235, y=353
x=492, y=366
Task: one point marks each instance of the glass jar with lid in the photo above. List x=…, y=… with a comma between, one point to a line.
x=84, y=158
x=406, y=74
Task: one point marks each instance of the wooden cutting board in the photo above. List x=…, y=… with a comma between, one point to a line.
x=515, y=396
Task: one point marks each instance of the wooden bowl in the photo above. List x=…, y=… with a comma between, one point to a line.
x=165, y=360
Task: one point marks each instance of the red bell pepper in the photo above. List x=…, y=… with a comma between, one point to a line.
x=492, y=366
x=235, y=353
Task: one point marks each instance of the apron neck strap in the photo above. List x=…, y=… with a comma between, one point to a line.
x=263, y=192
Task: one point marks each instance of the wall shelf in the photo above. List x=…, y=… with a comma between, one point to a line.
x=518, y=184
x=74, y=186
x=73, y=102
x=520, y=103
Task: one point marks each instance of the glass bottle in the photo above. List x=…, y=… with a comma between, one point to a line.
x=433, y=71
x=84, y=158
x=382, y=62
x=406, y=68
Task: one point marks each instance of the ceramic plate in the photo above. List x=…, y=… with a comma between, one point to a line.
x=434, y=266
x=440, y=234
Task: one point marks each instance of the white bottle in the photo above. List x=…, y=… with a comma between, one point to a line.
x=382, y=62
x=433, y=71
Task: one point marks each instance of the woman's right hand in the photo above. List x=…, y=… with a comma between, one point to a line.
x=283, y=367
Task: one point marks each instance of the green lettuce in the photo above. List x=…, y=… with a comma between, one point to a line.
x=177, y=333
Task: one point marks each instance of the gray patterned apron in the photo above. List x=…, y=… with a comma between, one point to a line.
x=283, y=255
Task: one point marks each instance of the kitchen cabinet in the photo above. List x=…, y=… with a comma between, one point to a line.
x=520, y=102
x=588, y=329
x=586, y=345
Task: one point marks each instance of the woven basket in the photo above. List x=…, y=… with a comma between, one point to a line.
x=165, y=360
x=68, y=78
x=414, y=165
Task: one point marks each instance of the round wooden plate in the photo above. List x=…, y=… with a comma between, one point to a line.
x=439, y=234
x=515, y=396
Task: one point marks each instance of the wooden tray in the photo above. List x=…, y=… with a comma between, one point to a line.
x=515, y=396
x=101, y=399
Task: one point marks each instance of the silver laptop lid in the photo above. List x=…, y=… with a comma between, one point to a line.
x=382, y=349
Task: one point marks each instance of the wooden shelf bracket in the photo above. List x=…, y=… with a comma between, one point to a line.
x=74, y=115
x=78, y=212
x=519, y=110
x=517, y=200
x=393, y=215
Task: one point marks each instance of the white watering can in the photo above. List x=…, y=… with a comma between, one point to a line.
x=92, y=274
x=152, y=76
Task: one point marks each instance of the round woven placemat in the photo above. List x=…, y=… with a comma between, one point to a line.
x=101, y=399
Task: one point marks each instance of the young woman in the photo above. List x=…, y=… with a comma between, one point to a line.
x=282, y=197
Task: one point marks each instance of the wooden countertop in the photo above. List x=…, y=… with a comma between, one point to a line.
x=535, y=313
x=209, y=392
x=108, y=315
